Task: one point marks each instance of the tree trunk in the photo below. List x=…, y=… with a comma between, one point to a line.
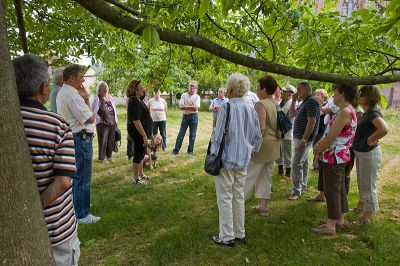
x=23, y=233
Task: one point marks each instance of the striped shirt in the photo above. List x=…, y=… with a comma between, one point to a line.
x=243, y=136
x=51, y=146
x=308, y=108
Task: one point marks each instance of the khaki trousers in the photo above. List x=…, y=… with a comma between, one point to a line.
x=259, y=175
x=367, y=164
x=229, y=186
x=68, y=253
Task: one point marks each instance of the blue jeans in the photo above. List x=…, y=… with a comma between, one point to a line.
x=162, y=127
x=190, y=121
x=81, y=182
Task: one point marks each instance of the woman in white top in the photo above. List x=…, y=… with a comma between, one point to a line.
x=158, y=112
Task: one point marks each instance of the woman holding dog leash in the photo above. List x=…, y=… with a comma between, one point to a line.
x=139, y=128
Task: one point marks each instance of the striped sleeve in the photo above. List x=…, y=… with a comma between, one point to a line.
x=64, y=156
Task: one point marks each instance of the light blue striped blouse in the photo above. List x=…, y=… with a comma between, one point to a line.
x=243, y=136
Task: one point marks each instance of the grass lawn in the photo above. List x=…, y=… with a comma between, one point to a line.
x=171, y=219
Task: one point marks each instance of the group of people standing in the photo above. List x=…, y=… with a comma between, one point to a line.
x=60, y=144
x=252, y=146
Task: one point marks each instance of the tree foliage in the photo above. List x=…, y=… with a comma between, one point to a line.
x=285, y=37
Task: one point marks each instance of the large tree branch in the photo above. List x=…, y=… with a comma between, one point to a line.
x=102, y=10
x=21, y=25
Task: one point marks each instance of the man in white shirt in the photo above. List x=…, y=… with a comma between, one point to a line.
x=158, y=113
x=73, y=104
x=189, y=104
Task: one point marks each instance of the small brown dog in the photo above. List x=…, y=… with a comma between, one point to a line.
x=151, y=157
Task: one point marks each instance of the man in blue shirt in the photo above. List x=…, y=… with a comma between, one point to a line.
x=217, y=103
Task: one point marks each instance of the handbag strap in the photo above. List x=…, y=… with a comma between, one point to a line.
x=227, y=120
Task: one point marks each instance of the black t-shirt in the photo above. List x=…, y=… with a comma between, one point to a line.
x=365, y=128
x=137, y=110
x=308, y=108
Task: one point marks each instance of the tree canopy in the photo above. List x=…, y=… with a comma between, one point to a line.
x=286, y=37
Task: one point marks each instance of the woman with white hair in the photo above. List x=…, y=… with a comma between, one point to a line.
x=103, y=106
x=242, y=138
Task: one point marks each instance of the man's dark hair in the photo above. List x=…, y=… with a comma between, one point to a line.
x=350, y=92
x=30, y=73
x=269, y=84
x=72, y=70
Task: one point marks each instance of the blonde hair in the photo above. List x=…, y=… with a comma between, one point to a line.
x=323, y=92
x=158, y=146
x=237, y=84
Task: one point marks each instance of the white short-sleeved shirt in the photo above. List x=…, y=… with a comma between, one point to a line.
x=251, y=98
x=73, y=107
x=187, y=99
x=157, y=104
x=334, y=109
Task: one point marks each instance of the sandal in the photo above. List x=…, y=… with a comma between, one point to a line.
x=357, y=210
x=362, y=222
x=317, y=198
x=263, y=213
x=322, y=229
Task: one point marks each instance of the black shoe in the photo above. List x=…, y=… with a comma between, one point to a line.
x=174, y=152
x=240, y=240
x=219, y=241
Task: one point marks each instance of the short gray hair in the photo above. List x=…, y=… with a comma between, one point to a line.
x=58, y=74
x=99, y=85
x=30, y=73
x=238, y=84
x=72, y=70
x=306, y=85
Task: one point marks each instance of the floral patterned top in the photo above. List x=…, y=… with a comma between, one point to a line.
x=340, y=148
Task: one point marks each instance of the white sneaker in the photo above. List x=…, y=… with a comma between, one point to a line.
x=293, y=196
x=105, y=161
x=110, y=160
x=90, y=219
x=138, y=181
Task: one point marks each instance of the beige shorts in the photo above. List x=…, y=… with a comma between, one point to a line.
x=68, y=253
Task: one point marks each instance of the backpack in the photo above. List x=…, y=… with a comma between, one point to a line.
x=284, y=123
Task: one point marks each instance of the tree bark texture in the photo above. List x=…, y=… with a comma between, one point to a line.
x=23, y=233
x=106, y=12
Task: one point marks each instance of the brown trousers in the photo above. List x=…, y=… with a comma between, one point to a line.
x=106, y=140
x=335, y=189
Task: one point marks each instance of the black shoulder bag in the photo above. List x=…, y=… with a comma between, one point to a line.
x=213, y=163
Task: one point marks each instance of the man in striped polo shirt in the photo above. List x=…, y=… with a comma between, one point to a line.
x=304, y=133
x=52, y=150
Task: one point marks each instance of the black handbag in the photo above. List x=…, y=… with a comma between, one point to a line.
x=213, y=163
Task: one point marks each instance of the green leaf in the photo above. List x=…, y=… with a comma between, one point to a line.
x=150, y=35
x=270, y=53
x=392, y=4
x=227, y=5
x=384, y=103
x=203, y=7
